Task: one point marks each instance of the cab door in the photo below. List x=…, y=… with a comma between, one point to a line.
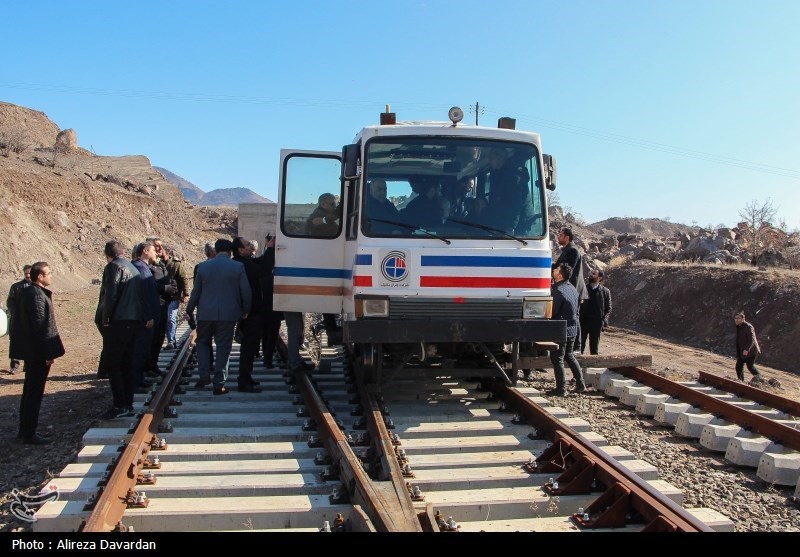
x=309, y=247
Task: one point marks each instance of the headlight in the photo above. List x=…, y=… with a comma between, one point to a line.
x=536, y=309
x=375, y=308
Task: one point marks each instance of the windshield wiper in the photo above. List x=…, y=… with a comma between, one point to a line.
x=412, y=228
x=490, y=229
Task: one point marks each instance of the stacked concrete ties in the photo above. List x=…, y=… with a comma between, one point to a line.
x=775, y=463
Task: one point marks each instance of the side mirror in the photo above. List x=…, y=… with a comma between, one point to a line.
x=351, y=165
x=549, y=172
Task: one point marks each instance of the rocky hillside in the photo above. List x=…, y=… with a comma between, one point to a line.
x=617, y=239
x=695, y=304
x=60, y=204
x=647, y=228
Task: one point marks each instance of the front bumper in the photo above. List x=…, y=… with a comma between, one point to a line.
x=461, y=330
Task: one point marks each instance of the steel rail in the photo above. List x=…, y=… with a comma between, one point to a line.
x=407, y=519
x=119, y=491
x=778, y=432
x=588, y=360
x=382, y=511
x=624, y=489
x=755, y=394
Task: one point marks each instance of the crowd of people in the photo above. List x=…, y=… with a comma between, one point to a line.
x=142, y=290
x=584, y=305
x=140, y=294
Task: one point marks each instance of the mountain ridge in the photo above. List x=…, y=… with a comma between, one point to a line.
x=219, y=197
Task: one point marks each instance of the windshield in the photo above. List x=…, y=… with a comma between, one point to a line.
x=452, y=188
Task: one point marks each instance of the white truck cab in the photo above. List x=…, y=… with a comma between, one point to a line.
x=435, y=251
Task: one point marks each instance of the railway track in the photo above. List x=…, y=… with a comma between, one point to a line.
x=321, y=452
x=751, y=427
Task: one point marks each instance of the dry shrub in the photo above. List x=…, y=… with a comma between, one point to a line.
x=12, y=142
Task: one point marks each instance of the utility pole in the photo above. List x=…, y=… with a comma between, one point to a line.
x=477, y=109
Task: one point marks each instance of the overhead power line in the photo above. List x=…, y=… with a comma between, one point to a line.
x=343, y=103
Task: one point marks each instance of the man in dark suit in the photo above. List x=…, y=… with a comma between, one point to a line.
x=222, y=296
x=594, y=312
x=36, y=341
x=572, y=257
x=565, y=307
x=15, y=297
x=251, y=329
x=119, y=316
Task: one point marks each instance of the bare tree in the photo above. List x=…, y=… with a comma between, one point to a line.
x=758, y=215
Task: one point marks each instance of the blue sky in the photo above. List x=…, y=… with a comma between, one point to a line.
x=680, y=109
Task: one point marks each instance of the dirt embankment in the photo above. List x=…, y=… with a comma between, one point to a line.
x=695, y=304
x=63, y=217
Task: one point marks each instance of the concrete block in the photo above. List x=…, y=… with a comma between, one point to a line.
x=602, y=380
x=614, y=386
x=630, y=394
x=746, y=449
x=578, y=424
x=668, y=489
x=717, y=434
x=557, y=411
x=771, y=413
x=595, y=438
x=618, y=453
x=667, y=412
x=591, y=375
x=779, y=465
x=647, y=403
x=713, y=519
x=745, y=404
x=641, y=468
x=692, y=422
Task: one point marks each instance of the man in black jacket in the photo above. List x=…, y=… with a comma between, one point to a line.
x=565, y=307
x=595, y=312
x=572, y=257
x=271, y=340
x=15, y=295
x=119, y=315
x=144, y=255
x=167, y=289
x=747, y=348
x=252, y=326
x=38, y=343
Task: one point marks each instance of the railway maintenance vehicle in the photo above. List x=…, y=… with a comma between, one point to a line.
x=436, y=252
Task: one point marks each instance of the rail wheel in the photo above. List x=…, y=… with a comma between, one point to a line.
x=371, y=362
